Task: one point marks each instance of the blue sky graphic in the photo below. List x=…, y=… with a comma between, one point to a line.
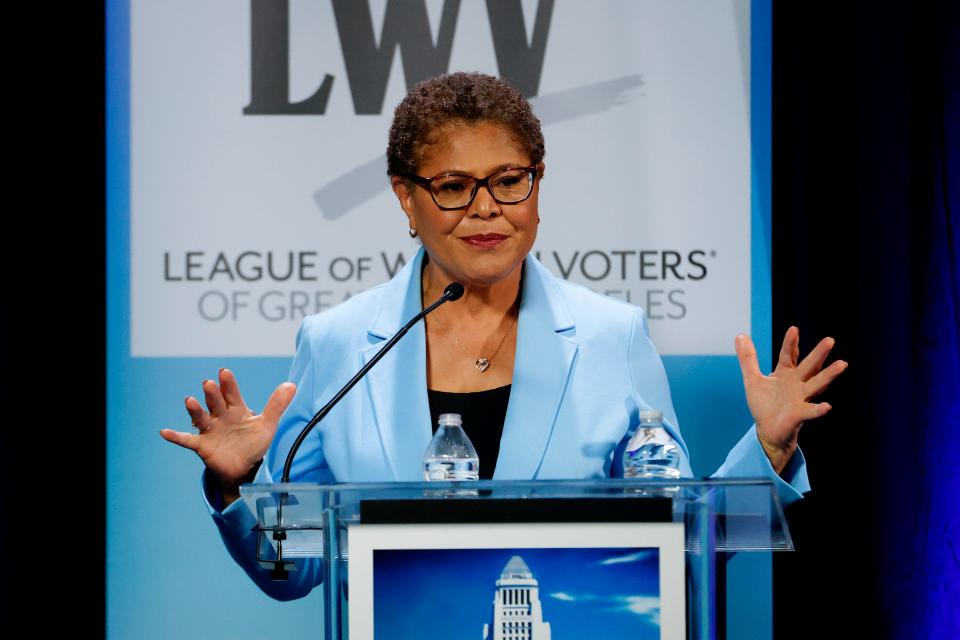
x=606, y=593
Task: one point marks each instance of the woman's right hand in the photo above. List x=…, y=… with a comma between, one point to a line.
x=231, y=439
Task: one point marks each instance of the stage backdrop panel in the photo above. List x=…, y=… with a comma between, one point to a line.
x=247, y=188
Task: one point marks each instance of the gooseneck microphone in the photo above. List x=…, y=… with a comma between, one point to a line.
x=453, y=291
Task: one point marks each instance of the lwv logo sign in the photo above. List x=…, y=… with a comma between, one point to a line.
x=406, y=28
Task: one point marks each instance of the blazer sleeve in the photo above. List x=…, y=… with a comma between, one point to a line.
x=747, y=459
x=236, y=523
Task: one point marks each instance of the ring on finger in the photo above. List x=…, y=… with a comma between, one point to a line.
x=199, y=428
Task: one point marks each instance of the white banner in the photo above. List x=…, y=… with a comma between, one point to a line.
x=258, y=130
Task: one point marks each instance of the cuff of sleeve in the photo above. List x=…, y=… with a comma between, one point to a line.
x=211, y=496
x=214, y=500
x=748, y=459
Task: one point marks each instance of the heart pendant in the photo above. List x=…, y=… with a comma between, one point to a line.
x=482, y=364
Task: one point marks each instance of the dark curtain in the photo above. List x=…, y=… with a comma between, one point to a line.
x=52, y=322
x=866, y=181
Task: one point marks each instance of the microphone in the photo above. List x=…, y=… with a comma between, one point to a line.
x=454, y=291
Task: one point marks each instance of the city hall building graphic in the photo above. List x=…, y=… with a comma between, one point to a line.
x=517, y=614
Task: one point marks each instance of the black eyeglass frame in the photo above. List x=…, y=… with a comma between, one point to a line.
x=478, y=182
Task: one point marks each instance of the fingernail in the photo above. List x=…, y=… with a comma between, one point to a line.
x=222, y=369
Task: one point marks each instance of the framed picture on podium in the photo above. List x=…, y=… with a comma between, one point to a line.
x=525, y=581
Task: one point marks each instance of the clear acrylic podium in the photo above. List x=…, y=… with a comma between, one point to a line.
x=717, y=516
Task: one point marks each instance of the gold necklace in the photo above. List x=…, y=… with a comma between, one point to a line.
x=481, y=363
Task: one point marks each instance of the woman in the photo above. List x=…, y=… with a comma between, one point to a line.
x=559, y=373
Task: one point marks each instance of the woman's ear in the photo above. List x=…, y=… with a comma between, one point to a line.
x=541, y=169
x=404, y=192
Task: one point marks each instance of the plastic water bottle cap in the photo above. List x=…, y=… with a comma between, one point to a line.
x=450, y=420
x=645, y=416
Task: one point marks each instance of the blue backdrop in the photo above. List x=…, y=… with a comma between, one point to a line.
x=163, y=553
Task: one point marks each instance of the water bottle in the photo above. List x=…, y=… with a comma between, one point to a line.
x=450, y=455
x=651, y=453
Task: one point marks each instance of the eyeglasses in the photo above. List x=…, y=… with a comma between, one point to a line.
x=453, y=191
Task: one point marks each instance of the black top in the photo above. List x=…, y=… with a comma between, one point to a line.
x=483, y=413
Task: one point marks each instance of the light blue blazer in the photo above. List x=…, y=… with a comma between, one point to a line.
x=585, y=367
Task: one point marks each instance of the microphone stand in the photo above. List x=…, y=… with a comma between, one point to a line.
x=453, y=291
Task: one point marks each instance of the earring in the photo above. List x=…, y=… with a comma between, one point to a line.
x=412, y=232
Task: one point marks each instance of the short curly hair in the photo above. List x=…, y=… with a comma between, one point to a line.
x=458, y=97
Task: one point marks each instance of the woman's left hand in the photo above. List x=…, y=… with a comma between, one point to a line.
x=780, y=402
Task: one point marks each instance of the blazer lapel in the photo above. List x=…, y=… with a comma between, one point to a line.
x=396, y=386
x=543, y=363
